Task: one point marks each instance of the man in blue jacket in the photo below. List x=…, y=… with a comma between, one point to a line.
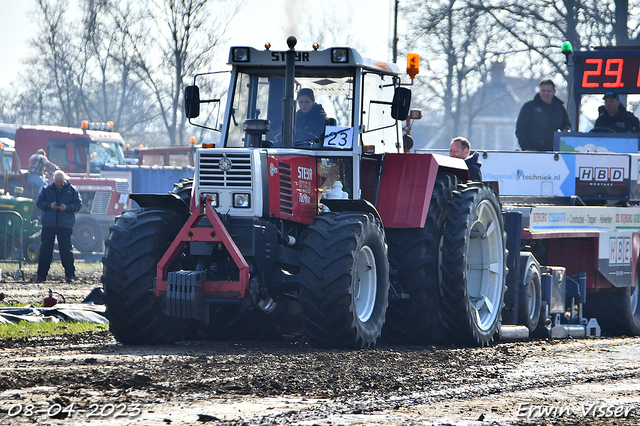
x=59, y=202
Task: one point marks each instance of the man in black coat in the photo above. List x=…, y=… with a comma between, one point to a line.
x=614, y=116
x=540, y=118
x=459, y=148
x=59, y=202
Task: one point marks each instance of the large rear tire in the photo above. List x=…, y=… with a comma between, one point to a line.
x=473, y=266
x=414, y=254
x=345, y=280
x=530, y=296
x=183, y=189
x=136, y=243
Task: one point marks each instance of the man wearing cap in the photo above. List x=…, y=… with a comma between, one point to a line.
x=540, y=118
x=614, y=116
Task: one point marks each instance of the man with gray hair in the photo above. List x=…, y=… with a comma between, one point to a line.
x=59, y=202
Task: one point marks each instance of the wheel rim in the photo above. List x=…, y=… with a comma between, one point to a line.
x=366, y=282
x=485, y=265
x=32, y=254
x=85, y=236
x=533, y=282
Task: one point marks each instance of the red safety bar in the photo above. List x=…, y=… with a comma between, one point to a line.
x=189, y=233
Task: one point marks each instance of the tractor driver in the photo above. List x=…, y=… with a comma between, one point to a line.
x=310, y=120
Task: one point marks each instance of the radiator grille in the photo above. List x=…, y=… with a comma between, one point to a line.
x=123, y=187
x=100, y=203
x=238, y=176
x=286, y=200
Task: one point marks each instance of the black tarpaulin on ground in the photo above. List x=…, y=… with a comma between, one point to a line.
x=60, y=312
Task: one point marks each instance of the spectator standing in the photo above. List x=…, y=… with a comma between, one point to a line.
x=540, y=118
x=59, y=202
x=459, y=148
x=614, y=116
x=38, y=163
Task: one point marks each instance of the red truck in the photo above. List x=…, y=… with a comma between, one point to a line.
x=69, y=148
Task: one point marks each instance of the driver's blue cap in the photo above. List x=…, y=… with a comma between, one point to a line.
x=611, y=95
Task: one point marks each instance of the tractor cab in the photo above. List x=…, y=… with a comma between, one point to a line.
x=329, y=109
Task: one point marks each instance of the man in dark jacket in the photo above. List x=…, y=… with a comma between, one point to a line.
x=59, y=202
x=310, y=120
x=614, y=116
x=540, y=118
x=459, y=148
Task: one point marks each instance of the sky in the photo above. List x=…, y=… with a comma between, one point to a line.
x=258, y=21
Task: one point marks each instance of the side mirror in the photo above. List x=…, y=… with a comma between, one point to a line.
x=401, y=103
x=192, y=101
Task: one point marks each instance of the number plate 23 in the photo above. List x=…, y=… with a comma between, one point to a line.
x=338, y=137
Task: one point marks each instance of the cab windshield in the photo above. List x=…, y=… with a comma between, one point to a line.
x=105, y=153
x=321, y=101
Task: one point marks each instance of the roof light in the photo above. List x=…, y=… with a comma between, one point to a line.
x=103, y=126
x=208, y=145
x=267, y=45
x=368, y=149
x=240, y=54
x=413, y=64
x=192, y=140
x=339, y=55
x=316, y=46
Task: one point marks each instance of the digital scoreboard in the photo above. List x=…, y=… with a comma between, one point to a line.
x=607, y=70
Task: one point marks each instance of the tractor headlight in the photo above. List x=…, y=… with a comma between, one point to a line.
x=240, y=54
x=241, y=200
x=339, y=55
x=214, y=199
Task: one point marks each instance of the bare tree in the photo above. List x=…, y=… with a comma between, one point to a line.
x=189, y=32
x=112, y=90
x=457, y=45
x=56, y=63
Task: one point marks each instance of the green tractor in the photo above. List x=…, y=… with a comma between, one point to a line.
x=16, y=212
x=16, y=218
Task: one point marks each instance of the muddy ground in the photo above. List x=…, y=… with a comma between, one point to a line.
x=92, y=379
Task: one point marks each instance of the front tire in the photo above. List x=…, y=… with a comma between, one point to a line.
x=473, y=265
x=345, y=280
x=136, y=243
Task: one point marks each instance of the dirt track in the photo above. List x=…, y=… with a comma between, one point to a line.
x=580, y=382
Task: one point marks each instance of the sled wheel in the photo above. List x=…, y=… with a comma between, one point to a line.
x=137, y=241
x=87, y=235
x=617, y=311
x=530, y=299
x=345, y=280
x=473, y=266
x=414, y=254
